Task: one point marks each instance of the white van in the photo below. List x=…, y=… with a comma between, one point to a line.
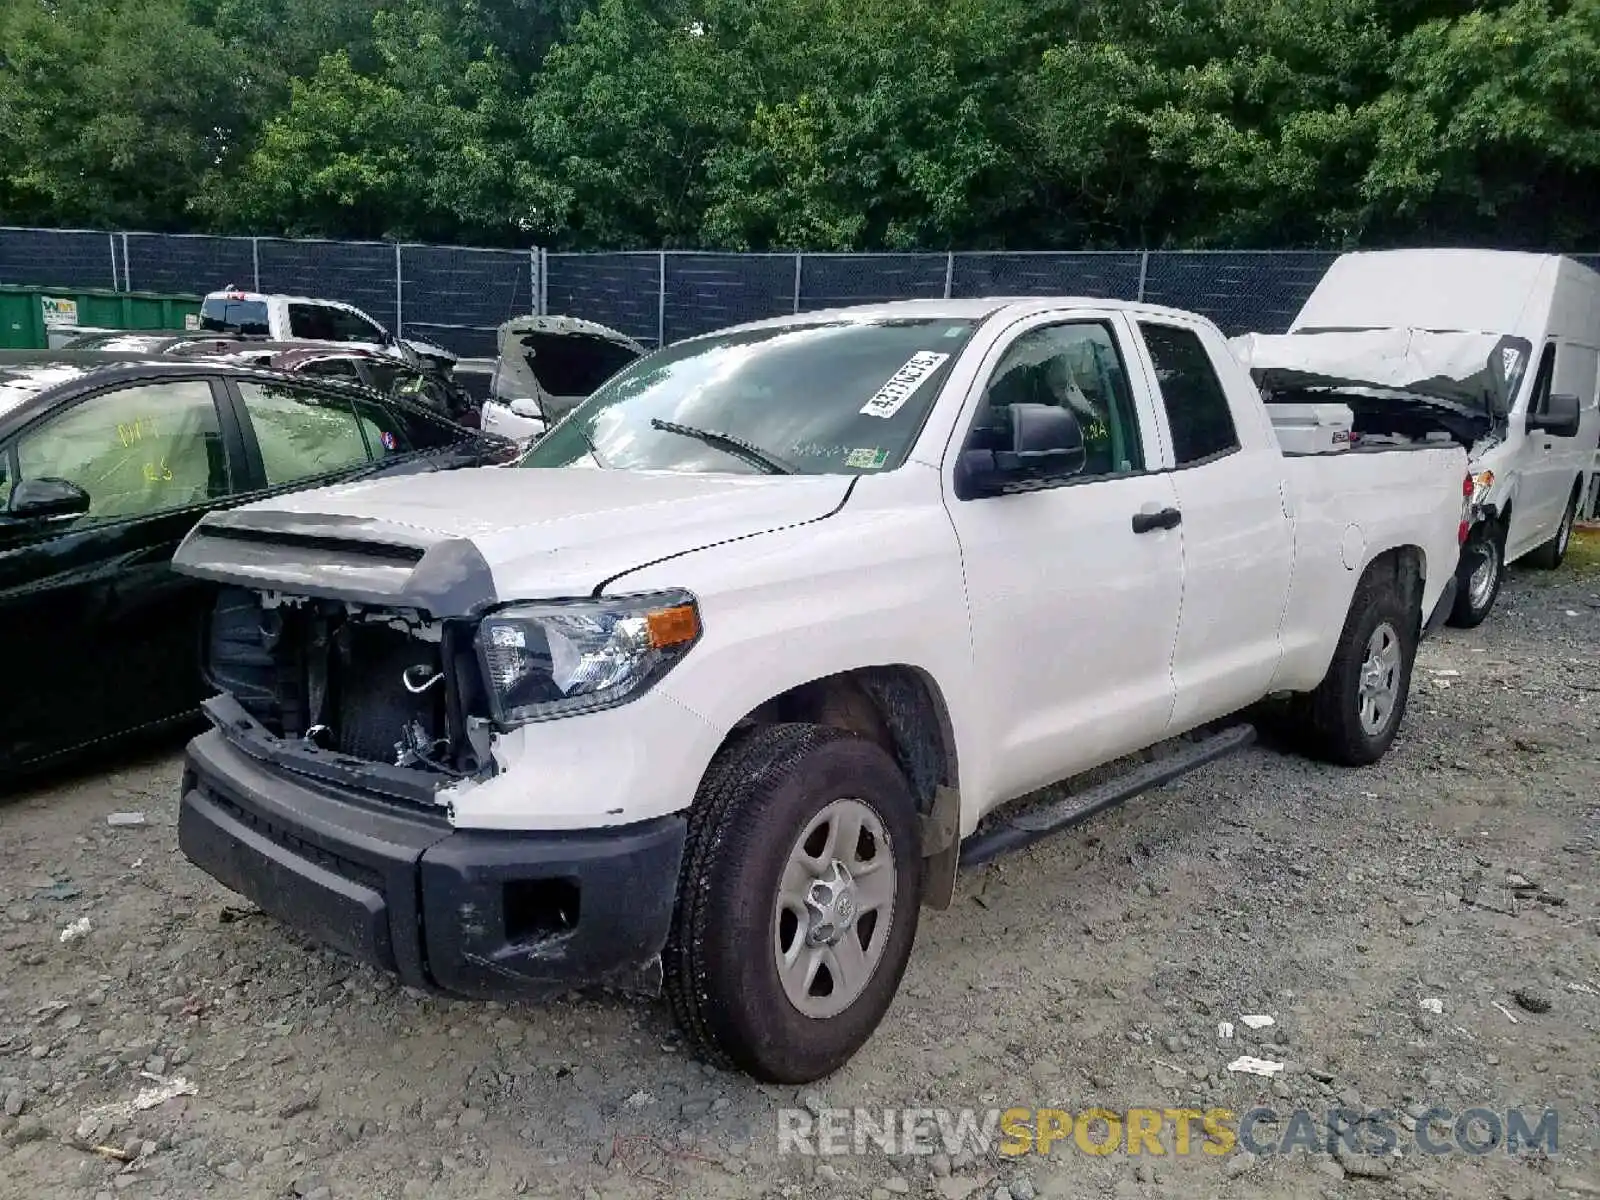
x=1499, y=350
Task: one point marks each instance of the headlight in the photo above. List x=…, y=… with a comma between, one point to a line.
x=1481, y=483
x=561, y=658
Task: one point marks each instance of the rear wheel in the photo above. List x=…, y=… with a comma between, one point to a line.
x=797, y=903
x=1478, y=576
x=1355, y=712
x=1554, y=552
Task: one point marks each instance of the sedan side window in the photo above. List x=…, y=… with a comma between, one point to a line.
x=1074, y=366
x=138, y=451
x=422, y=430
x=302, y=434
x=5, y=478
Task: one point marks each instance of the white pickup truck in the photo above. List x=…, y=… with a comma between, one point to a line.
x=735, y=671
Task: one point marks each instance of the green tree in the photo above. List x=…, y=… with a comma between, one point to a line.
x=423, y=146
x=622, y=121
x=112, y=111
x=882, y=123
x=1491, y=128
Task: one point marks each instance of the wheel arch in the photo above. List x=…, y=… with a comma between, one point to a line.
x=899, y=706
x=1405, y=566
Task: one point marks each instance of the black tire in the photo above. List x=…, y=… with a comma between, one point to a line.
x=721, y=979
x=1333, y=725
x=1485, y=547
x=1553, y=553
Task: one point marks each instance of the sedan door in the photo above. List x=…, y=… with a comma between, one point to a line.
x=99, y=635
x=1073, y=585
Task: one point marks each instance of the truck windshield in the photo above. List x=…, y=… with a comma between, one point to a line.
x=817, y=398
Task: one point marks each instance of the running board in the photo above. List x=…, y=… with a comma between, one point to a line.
x=1035, y=824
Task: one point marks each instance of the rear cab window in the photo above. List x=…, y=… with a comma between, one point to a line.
x=1198, y=412
x=235, y=314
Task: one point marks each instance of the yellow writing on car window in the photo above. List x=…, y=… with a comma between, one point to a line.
x=157, y=472
x=131, y=433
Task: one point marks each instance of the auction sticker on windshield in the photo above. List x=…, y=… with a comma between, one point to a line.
x=891, y=397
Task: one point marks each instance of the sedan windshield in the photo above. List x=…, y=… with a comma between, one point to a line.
x=835, y=398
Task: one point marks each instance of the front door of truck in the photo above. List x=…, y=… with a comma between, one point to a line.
x=1238, y=544
x=1074, y=613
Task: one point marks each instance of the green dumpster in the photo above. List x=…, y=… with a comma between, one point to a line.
x=28, y=315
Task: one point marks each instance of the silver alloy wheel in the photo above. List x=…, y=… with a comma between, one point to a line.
x=1481, y=583
x=1380, y=680
x=1564, y=533
x=834, y=907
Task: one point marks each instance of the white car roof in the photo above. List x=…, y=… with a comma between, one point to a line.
x=235, y=294
x=966, y=309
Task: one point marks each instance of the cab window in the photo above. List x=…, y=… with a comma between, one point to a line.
x=302, y=434
x=1197, y=407
x=1074, y=366
x=1539, y=401
x=138, y=451
x=350, y=326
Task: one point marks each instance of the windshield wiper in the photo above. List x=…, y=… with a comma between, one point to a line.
x=736, y=446
x=594, y=450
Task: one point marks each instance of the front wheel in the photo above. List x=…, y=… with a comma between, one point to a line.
x=798, y=902
x=1478, y=577
x=1553, y=553
x=1355, y=712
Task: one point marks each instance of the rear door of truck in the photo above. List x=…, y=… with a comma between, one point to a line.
x=1238, y=540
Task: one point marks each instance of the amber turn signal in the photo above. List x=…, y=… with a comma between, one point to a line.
x=672, y=626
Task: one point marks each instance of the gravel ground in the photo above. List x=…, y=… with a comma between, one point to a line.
x=1092, y=969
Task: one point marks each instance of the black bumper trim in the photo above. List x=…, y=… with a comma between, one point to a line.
x=408, y=894
x=1441, y=610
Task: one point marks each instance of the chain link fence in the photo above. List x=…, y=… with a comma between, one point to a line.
x=452, y=296
x=663, y=296
x=456, y=296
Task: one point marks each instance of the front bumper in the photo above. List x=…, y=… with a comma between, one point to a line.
x=483, y=914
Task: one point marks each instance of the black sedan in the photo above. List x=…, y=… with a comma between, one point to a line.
x=104, y=467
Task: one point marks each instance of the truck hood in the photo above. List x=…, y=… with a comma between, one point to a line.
x=457, y=542
x=1474, y=373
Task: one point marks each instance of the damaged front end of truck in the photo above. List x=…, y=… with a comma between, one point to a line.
x=352, y=711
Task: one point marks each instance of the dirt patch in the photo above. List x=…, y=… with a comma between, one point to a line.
x=1094, y=969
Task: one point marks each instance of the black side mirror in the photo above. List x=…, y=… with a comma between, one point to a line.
x=47, y=500
x=1046, y=442
x=1560, y=418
